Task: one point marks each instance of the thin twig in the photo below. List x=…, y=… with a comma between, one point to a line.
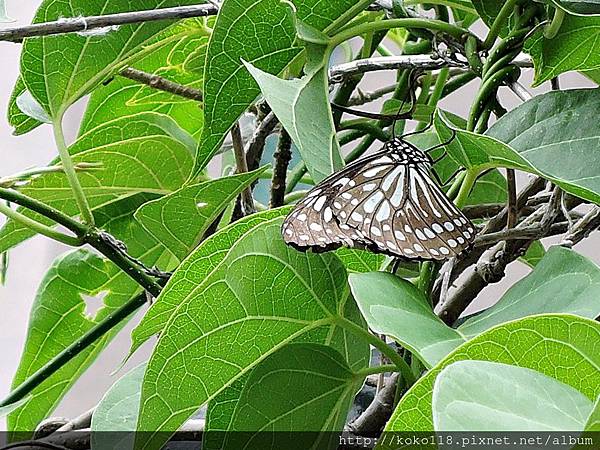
x=242, y=167
x=256, y=144
x=162, y=84
x=282, y=156
x=511, y=185
x=370, y=422
x=520, y=91
x=76, y=24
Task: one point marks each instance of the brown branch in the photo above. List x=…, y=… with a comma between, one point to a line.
x=256, y=144
x=282, y=156
x=247, y=202
x=583, y=228
x=77, y=24
x=162, y=84
x=511, y=188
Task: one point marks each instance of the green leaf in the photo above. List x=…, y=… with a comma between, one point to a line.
x=534, y=254
x=257, y=295
x=462, y=5
x=593, y=421
x=266, y=29
x=179, y=220
x=171, y=53
x=489, y=396
x=488, y=11
x=543, y=136
x=396, y=308
x=579, y=7
x=360, y=261
x=142, y=153
x=59, y=70
x=560, y=346
x=115, y=417
x=298, y=388
x=575, y=47
x=21, y=122
x=59, y=316
x=302, y=106
x=562, y=282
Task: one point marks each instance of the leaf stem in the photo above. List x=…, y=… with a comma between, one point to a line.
x=52, y=366
x=69, y=169
x=379, y=345
x=428, y=24
x=500, y=19
x=551, y=30
x=364, y=373
x=38, y=227
x=466, y=186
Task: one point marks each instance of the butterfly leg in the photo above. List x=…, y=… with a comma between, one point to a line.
x=396, y=264
x=443, y=144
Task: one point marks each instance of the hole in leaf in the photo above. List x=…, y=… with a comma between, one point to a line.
x=93, y=303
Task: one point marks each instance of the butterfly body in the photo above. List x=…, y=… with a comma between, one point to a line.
x=386, y=202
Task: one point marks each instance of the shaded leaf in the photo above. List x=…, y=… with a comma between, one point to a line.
x=489, y=396
x=488, y=11
x=560, y=346
x=575, y=47
x=593, y=421
x=115, y=416
x=298, y=388
x=360, y=261
x=257, y=295
x=562, y=282
x=579, y=7
x=179, y=220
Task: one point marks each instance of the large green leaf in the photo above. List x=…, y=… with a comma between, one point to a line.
x=489, y=396
x=562, y=282
x=115, y=417
x=58, y=70
x=575, y=47
x=261, y=296
x=179, y=220
x=302, y=106
x=59, y=316
x=172, y=52
x=142, y=153
x=563, y=347
x=223, y=409
x=301, y=387
x=488, y=11
x=542, y=136
x=21, y=122
x=260, y=32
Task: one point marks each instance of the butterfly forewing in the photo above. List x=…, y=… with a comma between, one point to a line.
x=387, y=202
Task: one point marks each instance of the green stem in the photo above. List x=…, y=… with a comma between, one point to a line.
x=69, y=168
x=347, y=16
x=501, y=18
x=438, y=88
x=43, y=209
x=75, y=349
x=465, y=187
x=453, y=191
x=39, y=227
x=419, y=23
x=368, y=126
x=384, y=51
x=364, y=373
x=457, y=82
x=379, y=345
x=551, y=30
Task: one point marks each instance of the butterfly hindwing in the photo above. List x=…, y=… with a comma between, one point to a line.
x=387, y=202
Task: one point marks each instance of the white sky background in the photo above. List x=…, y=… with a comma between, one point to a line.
x=29, y=261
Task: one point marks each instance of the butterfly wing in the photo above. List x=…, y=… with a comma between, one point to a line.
x=404, y=213
x=312, y=223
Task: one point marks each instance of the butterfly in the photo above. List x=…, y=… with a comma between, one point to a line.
x=387, y=202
